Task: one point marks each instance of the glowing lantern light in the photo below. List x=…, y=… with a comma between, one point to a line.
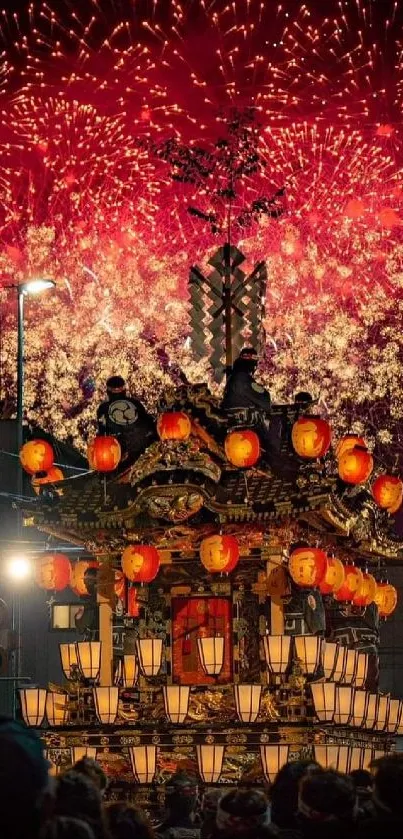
x=354, y=208
x=140, y=563
x=144, y=763
x=352, y=583
x=57, y=710
x=355, y=465
x=104, y=453
x=36, y=456
x=174, y=425
x=210, y=760
x=348, y=442
x=219, y=554
x=176, y=701
x=247, y=701
x=33, y=704
x=273, y=758
x=311, y=437
x=365, y=593
x=78, y=575
x=307, y=566
x=388, y=492
x=52, y=476
x=386, y=599
x=242, y=448
x=334, y=576
x=53, y=572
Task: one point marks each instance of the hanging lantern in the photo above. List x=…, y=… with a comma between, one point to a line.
x=311, y=437
x=277, y=652
x=80, y=752
x=324, y=700
x=56, y=708
x=307, y=566
x=348, y=442
x=210, y=760
x=334, y=576
x=129, y=671
x=385, y=599
x=242, y=448
x=174, y=425
x=53, y=571
x=355, y=465
x=394, y=716
x=78, y=573
x=247, y=702
x=351, y=585
x=176, y=701
x=361, y=672
x=360, y=705
x=52, y=476
x=106, y=701
x=355, y=758
x=344, y=704
x=308, y=650
x=388, y=492
x=140, y=563
x=33, y=703
x=273, y=758
x=104, y=453
x=144, y=763
x=89, y=659
x=219, y=554
x=372, y=710
x=332, y=757
x=340, y=664
x=149, y=654
x=350, y=667
x=382, y=713
x=211, y=654
x=68, y=655
x=365, y=594
x=36, y=456
x=330, y=655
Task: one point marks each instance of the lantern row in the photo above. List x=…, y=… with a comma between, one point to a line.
x=310, y=436
x=210, y=759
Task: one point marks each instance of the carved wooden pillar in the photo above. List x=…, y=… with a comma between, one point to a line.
x=106, y=601
x=276, y=603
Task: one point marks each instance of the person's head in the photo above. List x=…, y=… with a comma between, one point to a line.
x=284, y=790
x=388, y=783
x=23, y=780
x=247, y=360
x=77, y=796
x=65, y=827
x=126, y=822
x=210, y=801
x=361, y=778
x=242, y=810
x=327, y=795
x=115, y=386
x=91, y=769
x=303, y=398
x=181, y=795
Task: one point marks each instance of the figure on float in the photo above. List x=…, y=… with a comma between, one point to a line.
x=125, y=418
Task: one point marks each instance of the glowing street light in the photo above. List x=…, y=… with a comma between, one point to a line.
x=18, y=568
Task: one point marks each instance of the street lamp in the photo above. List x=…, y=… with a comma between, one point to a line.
x=18, y=568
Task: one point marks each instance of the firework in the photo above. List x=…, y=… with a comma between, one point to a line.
x=131, y=134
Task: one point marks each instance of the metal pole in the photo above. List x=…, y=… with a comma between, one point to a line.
x=20, y=380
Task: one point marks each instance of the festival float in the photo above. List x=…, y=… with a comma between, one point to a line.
x=233, y=578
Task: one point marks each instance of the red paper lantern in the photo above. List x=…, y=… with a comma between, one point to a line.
x=311, y=437
x=52, y=476
x=219, y=554
x=242, y=448
x=365, y=594
x=140, y=563
x=78, y=573
x=53, y=571
x=307, y=566
x=174, y=425
x=355, y=465
x=334, y=576
x=388, y=492
x=348, y=442
x=104, y=453
x=37, y=456
x=386, y=599
x=351, y=585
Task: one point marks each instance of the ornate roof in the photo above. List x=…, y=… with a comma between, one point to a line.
x=176, y=492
